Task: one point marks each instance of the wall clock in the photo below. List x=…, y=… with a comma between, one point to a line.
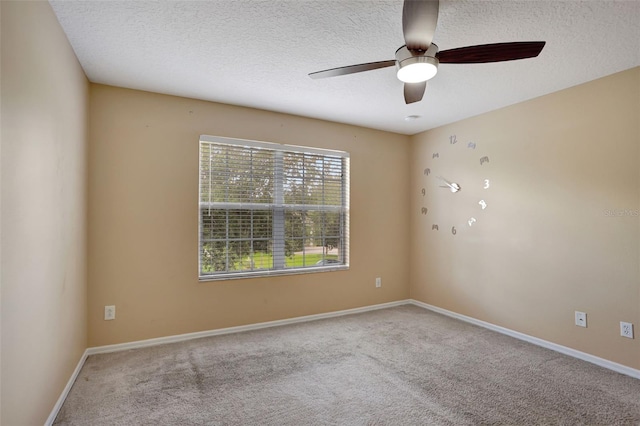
x=456, y=186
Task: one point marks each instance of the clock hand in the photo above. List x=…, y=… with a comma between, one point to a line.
x=454, y=187
x=446, y=182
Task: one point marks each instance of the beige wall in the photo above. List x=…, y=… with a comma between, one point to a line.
x=143, y=221
x=44, y=116
x=545, y=246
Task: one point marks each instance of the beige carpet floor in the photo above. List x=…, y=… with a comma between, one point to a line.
x=397, y=366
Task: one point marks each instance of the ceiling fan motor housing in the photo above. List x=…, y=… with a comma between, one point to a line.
x=414, y=66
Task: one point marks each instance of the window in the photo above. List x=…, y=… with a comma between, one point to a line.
x=271, y=209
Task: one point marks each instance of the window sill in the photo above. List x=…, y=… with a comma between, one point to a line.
x=267, y=274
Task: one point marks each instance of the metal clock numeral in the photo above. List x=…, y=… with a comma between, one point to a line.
x=486, y=184
x=453, y=230
x=483, y=204
x=424, y=210
x=424, y=192
x=471, y=221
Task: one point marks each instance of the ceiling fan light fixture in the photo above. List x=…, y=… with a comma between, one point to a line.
x=417, y=69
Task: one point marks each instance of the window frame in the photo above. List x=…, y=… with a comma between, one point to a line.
x=277, y=207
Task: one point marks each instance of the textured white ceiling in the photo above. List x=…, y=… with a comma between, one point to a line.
x=258, y=53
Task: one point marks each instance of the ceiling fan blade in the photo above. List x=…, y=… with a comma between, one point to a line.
x=413, y=92
x=419, y=19
x=496, y=52
x=351, y=69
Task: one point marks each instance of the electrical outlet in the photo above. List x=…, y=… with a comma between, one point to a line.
x=378, y=282
x=626, y=329
x=109, y=312
x=581, y=319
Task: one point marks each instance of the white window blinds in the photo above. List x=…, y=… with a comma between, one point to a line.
x=269, y=208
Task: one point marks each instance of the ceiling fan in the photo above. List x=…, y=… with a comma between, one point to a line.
x=417, y=61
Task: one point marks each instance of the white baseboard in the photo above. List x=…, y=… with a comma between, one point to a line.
x=65, y=391
x=536, y=341
x=229, y=330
